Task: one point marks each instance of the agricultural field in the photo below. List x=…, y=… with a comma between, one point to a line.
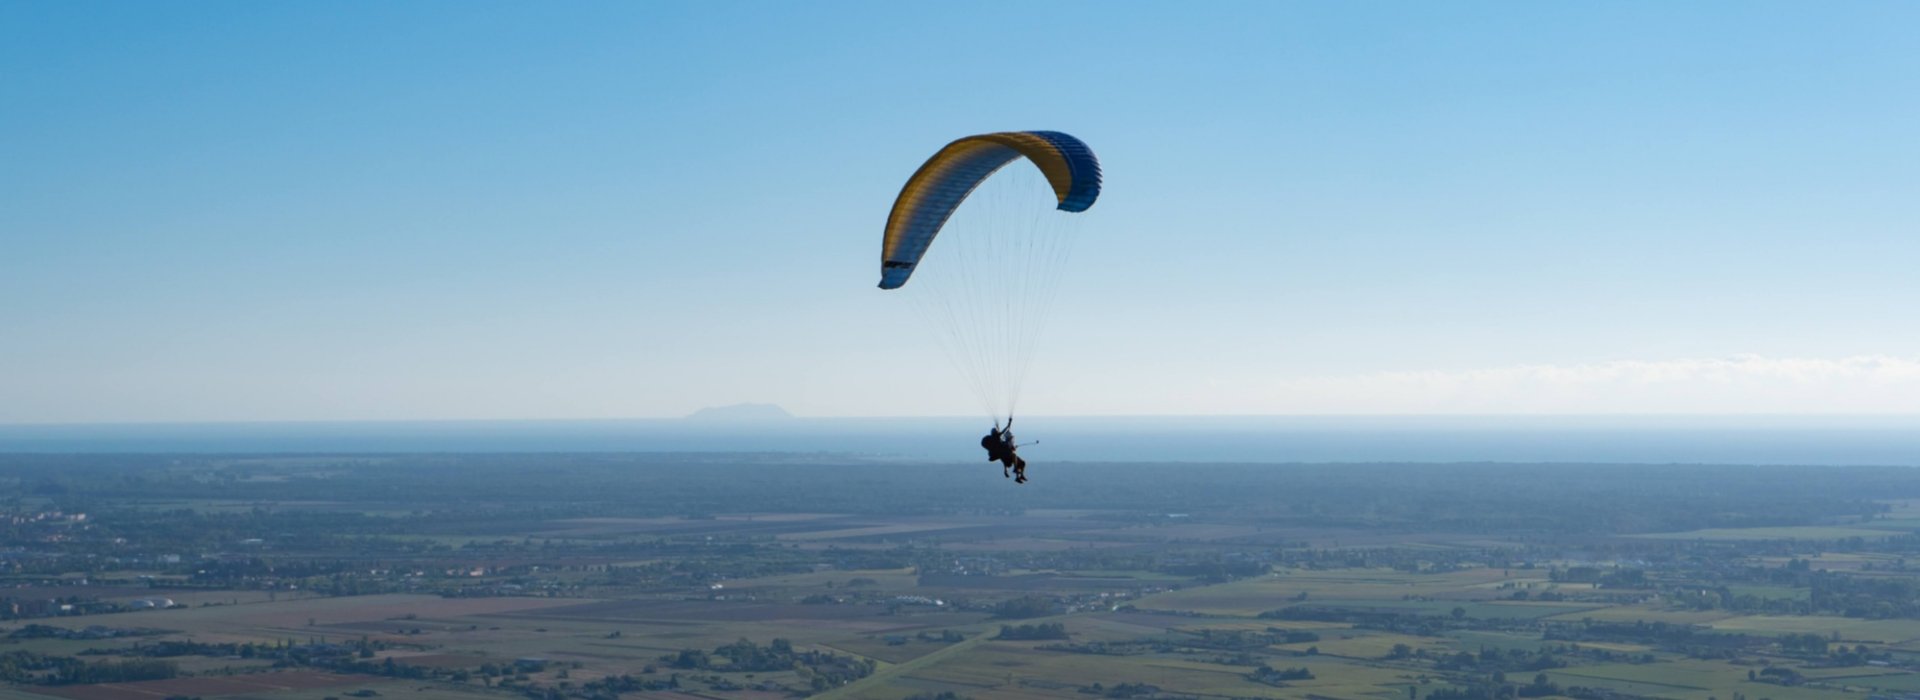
x=316, y=579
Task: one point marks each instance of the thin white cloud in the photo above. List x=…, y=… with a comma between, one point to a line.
x=1738, y=384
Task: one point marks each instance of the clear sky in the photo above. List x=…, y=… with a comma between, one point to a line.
x=419, y=210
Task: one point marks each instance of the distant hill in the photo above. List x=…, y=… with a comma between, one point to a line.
x=741, y=413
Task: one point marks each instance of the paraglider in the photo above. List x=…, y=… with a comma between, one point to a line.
x=1001, y=448
x=987, y=289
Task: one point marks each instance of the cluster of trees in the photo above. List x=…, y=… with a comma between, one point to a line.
x=27, y=667
x=1295, y=636
x=95, y=632
x=1623, y=577
x=610, y=687
x=1024, y=607
x=115, y=672
x=1687, y=639
x=1777, y=674
x=1493, y=660
x=1499, y=689
x=823, y=670
x=744, y=655
x=1044, y=630
x=1279, y=676
x=1875, y=597
x=1123, y=690
x=1809, y=644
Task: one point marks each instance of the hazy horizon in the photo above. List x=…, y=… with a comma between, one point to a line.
x=1758, y=440
x=691, y=418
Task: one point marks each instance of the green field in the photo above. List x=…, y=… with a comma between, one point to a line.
x=1644, y=613
x=1378, y=588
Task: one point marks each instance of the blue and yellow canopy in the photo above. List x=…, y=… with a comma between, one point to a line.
x=945, y=180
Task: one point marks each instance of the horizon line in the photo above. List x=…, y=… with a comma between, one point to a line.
x=691, y=419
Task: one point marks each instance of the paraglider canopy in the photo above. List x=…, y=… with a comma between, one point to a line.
x=944, y=181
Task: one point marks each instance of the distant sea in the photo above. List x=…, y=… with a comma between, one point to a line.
x=1641, y=440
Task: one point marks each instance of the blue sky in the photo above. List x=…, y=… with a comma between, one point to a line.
x=288, y=211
